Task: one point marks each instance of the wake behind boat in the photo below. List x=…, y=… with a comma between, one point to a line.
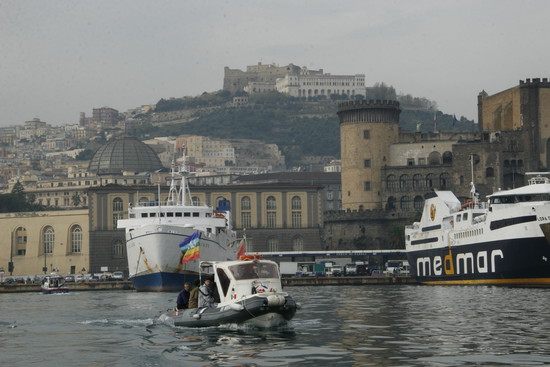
x=155, y=231
x=504, y=241
x=250, y=293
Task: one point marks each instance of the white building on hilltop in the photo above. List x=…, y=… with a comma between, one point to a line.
x=309, y=83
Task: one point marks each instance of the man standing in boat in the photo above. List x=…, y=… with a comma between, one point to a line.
x=183, y=298
x=206, y=296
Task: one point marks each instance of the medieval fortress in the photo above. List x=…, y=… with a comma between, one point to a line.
x=292, y=80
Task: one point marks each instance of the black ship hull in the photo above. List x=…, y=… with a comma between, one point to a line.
x=519, y=261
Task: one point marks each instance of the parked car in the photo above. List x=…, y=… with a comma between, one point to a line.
x=69, y=279
x=118, y=275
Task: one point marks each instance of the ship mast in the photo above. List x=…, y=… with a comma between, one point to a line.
x=184, y=193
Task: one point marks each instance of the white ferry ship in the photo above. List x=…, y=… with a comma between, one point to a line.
x=504, y=241
x=154, y=232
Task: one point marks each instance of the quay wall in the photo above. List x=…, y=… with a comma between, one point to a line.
x=366, y=280
x=73, y=287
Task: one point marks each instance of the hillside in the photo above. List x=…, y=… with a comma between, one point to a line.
x=299, y=128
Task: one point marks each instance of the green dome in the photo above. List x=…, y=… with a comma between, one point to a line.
x=124, y=154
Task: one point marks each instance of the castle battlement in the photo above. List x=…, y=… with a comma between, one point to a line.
x=357, y=104
x=535, y=82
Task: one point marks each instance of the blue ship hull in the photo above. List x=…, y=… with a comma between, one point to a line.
x=162, y=282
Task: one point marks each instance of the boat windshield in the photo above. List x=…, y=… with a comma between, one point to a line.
x=254, y=270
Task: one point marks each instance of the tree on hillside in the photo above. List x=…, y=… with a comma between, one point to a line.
x=381, y=91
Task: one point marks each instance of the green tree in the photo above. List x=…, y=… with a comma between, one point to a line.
x=76, y=199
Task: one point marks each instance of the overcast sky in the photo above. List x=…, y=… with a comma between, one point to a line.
x=60, y=58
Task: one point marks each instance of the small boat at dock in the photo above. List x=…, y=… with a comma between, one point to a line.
x=250, y=292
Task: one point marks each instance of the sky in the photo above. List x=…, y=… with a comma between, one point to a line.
x=62, y=57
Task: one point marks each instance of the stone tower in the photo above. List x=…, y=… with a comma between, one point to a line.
x=367, y=129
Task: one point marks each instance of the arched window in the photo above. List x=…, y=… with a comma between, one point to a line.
x=391, y=182
x=404, y=182
x=271, y=204
x=196, y=201
x=434, y=158
x=418, y=202
x=117, y=205
x=76, y=239
x=447, y=158
x=430, y=180
x=297, y=244
x=245, y=203
x=143, y=201
x=48, y=238
x=118, y=249
x=444, y=180
x=391, y=203
x=405, y=202
x=417, y=181
x=273, y=244
x=296, y=203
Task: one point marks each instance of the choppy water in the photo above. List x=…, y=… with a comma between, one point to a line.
x=402, y=325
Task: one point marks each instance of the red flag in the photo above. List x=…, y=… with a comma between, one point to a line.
x=241, y=250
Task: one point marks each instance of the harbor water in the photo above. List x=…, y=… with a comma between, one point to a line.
x=400, y=325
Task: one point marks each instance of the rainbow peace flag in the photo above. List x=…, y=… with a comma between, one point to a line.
x=191, y=246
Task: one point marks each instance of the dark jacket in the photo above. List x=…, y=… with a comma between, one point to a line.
x=183, y=299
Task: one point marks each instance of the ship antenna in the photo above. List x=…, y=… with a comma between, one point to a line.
x=185, y=192
x=473, y=192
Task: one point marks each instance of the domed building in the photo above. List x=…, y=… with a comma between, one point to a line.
x=124, y=154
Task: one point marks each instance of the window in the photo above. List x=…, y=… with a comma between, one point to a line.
x=118, y=249
x=116, y=217
x=444, y=180
x=273, y=245
x=196, y=201
x=418, y=202
x=430, y=180
x=271, y=220
x=48, y=239
x=76, y=239
x=410, y=161
x=391, y=182
x=245, y=203
x=417, y=181
x=405, y=202
x=296, y=219
x=271, y=204
x=391, y=203
x=246, y=220
x=21, y=240
x=296, y=203
x=366, y=163
x=404, y=182
x=366, y=134
x=297, y=244
x=489, y=172
x=117, y=205
x=367, y=185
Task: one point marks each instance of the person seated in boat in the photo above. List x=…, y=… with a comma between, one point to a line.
x=206, y=297
x=249, y=272
x=183, y=297
x=194, y=294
